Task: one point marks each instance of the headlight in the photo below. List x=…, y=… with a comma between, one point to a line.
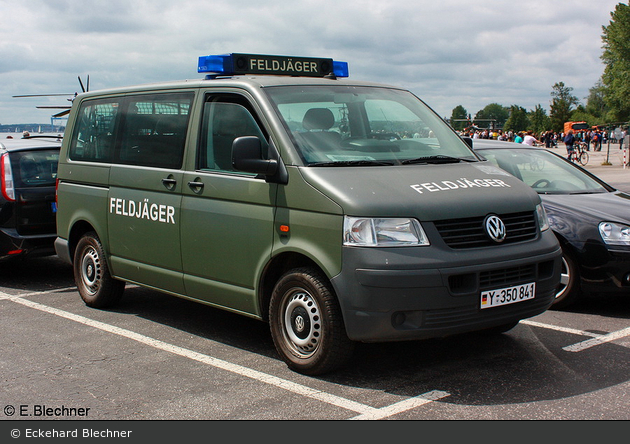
x=371, y=232
x=543, y=222
x=614, y=234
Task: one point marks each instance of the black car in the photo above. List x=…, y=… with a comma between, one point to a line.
x=590, y=218
x=28, y=174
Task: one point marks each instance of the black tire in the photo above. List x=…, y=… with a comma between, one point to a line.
x=569, y=290
x=306, y=323
x=91, y=274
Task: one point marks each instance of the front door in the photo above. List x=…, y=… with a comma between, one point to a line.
x=227, y=216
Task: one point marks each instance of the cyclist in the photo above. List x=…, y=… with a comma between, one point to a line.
x=569, y=140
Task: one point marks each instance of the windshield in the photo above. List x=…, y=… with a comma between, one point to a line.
x=338, y=125
x=543, y=171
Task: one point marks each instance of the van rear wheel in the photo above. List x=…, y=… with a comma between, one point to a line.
x=306, y=323
x=91, y=274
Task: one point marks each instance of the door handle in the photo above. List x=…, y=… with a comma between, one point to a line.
x=169, y=183
x=195, y=186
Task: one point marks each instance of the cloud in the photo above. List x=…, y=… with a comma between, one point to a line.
x=448, y=52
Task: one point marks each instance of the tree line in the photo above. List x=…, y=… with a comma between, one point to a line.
x=608, y=102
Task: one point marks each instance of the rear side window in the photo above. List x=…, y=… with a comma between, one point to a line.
x=151, y=128
x=154, y=130
x=34, y=168
x=93, y=138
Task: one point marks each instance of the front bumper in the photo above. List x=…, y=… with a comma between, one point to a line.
x=604, y=270
x=438, y=294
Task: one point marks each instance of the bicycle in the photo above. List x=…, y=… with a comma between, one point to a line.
x=579, y=153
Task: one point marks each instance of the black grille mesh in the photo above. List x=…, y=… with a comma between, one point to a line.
x=471, y=233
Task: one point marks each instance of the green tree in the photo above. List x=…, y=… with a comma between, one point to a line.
x=518, y=120
x=562, y=105
x=616, y=58
x=580, y=114
x=539, y=121
x=492, y=116
x=595, y=102
x=459, y=113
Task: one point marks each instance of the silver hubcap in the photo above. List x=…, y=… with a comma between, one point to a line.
x=91, y=270
x=302, y=326
x=565, y=277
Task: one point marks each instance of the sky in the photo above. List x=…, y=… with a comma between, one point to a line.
x=448, y=52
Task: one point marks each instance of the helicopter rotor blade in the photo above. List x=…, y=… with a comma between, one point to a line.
x=42, y=95
x=61, y=114
x=81, y=83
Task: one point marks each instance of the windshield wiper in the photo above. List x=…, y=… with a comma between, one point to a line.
x=352, y=163
x=435, y=160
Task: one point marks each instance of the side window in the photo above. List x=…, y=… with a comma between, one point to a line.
x=154, y=130
x=93, y=136
x=223, y=122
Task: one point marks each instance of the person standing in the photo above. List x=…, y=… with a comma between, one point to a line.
x=596, y=139
x=588, y=135
x=569, y=140
x=530, y=140
x=519, y=138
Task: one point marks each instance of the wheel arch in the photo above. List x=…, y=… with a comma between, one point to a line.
x=78, y=230
x=278, y=266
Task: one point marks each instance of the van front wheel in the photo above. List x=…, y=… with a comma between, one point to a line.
x=91, y=274
x=306, y=323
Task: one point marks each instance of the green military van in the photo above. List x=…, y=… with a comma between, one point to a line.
x=338, y=211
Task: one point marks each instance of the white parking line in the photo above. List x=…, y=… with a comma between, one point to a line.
x=562, y=329
x=403, y=406
x=597, y=341
x=365, y=411
x=596, y=338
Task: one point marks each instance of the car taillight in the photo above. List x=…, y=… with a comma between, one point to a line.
x=6, y=177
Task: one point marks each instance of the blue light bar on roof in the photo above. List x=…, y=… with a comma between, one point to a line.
x=235, y=64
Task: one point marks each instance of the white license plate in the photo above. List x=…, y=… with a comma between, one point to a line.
x=509, y=295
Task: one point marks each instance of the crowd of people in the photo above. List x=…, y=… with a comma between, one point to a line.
x=593, y=139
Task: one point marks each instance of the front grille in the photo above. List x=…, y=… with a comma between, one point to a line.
x=471, y=233
x=507, y=276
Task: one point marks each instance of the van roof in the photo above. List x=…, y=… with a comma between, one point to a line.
x=245, y=82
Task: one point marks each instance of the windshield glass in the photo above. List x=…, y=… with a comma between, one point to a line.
x=543, y=171
x=338, y=125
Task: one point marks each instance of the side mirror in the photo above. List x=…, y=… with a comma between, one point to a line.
x=468, y=141
x=247, y=157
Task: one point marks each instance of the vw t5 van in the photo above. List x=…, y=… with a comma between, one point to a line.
x=276, y=187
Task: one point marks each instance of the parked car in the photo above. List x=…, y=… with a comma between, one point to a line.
x=28, y=172
x=590, y=218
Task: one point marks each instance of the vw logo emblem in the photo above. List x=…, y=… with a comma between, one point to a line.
x=495, y=228
x=299, y=323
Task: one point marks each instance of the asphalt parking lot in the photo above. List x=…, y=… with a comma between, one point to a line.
x=157, y=357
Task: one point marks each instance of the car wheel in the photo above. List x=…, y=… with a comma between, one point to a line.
x=306, y=323
x=91, y=274
x=569, y=290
